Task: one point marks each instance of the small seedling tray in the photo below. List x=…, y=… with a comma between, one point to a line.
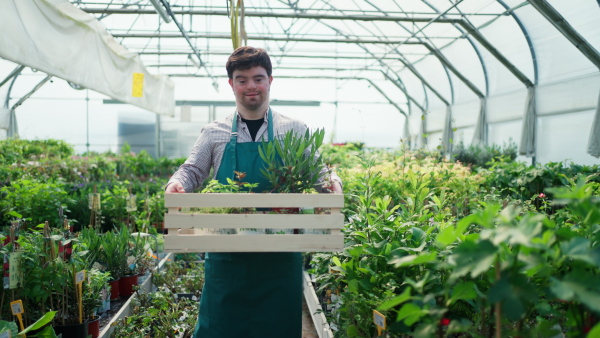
x=187, y=232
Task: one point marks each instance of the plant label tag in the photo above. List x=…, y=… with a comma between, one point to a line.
x=5, y=334
x=137, y=88
x=16, y=307
x=379, y=320
x=5, y=275
x=94, y=201
x=80, y=277
x=14, y=270
x=131, y=203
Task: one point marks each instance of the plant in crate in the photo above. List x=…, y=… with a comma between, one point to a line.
x=292, y=163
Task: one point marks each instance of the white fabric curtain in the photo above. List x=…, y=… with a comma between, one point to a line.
x=480, y=136
x=527, y=146
x=8, y=123
x=447, y=134
x=421, y=138
x=594, y=141
x=59, y=39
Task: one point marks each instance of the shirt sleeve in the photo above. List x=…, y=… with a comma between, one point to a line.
x=196, y=168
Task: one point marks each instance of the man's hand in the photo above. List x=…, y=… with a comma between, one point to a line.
x=174, y=188
x=336, y=187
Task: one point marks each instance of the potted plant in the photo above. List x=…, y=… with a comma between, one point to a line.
x=137, y=261
x=113, y=256
x=93, y=299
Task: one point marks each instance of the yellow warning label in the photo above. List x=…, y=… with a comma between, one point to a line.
x=137, y=89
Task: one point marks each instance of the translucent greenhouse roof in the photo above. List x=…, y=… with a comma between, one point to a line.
x=436, y=69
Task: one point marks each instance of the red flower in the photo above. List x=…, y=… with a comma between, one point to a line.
x=541, y=195
x=444, y=321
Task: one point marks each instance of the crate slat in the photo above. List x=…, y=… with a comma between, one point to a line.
x=253, y=243
x=275, y=221
x=187, y=232
x=254, y=200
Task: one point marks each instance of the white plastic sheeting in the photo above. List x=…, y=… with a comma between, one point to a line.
x=527, y=146
x=480, y=135
x=61, y=40
x=447, y=133
x=8, y=123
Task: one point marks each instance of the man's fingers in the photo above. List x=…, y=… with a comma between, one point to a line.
x=175, y=188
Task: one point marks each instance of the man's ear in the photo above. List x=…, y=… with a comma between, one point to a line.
x=231, y=83
x=270, y=79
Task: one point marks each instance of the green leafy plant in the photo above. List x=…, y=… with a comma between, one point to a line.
x=159, y=315
x=293, y=163
x=180, y=278
x=35, y=201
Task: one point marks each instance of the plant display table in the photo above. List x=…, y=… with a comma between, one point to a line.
x=188, y=231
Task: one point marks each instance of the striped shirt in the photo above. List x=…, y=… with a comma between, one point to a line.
x=210, y=146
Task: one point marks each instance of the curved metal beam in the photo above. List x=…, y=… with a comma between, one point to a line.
x=559, y=22
x=262, y=37
x=454, y=70
x=400, y=86
x=15, y=72
x=465, y=24
x=389, y=100
x=313, y=77
x=527, y=38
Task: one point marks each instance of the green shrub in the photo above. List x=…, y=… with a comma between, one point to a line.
x=478, y=155
x=17, y=150
x=34, y=201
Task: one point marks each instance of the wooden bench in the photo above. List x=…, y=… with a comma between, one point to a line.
x=186, y=232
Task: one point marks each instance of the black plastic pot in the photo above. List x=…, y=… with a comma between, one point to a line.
x=186, y=295
x=73, y=331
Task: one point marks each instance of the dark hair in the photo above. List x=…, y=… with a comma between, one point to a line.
x=247, y=57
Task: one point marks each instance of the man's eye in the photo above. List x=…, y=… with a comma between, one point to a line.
x=241, y=82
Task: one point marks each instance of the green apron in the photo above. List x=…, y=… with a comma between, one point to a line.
x=253, y=294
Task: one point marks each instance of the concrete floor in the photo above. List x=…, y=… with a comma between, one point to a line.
x=308, y=328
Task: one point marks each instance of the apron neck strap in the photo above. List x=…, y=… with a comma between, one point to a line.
x=234, y=127
x=234, y=135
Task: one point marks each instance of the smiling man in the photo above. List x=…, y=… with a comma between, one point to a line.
x=246, y=294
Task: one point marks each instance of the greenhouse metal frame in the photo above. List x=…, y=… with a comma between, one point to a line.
x=441, y=71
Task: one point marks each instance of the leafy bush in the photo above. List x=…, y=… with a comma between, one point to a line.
x=478, y=155
x=496, y=266
x=518, y=180
x=17, y=150
x=35, y=201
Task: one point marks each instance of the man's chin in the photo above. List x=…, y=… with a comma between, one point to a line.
x=253, y=106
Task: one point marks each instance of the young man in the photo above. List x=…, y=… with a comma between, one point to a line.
x=246, y=294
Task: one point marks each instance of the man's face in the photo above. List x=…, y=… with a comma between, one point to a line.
x=251, y=88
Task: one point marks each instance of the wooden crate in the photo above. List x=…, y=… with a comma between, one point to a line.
x=185, y=235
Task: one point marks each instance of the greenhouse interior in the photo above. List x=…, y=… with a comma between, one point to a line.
x=437, y=172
